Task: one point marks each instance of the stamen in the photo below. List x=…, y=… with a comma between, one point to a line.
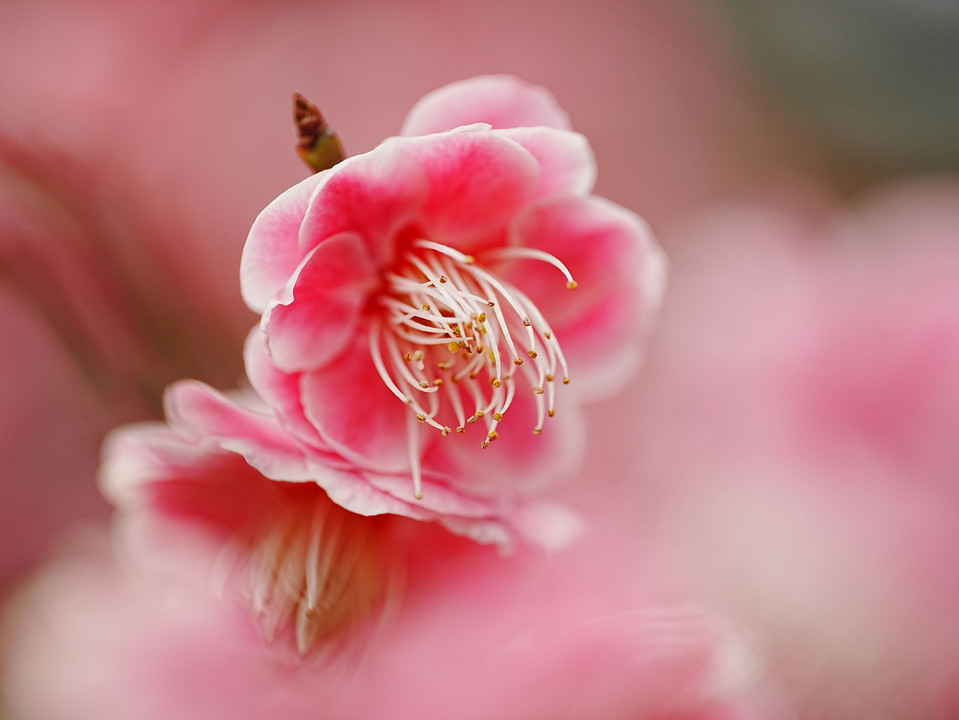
x=444, y=312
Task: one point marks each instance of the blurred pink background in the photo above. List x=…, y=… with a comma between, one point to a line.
x=787, y=455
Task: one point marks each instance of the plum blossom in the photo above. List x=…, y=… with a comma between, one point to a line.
x=309, y=542
x=300, y=560
x=453, y=291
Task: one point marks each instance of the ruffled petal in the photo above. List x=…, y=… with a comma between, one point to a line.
x=502, y=101
x=620, y=273
x=567, y=164
x=373, y=195
x=478, y=182
x=317, y=313
x=200, y=412
x=271, y=253
x=280, y=390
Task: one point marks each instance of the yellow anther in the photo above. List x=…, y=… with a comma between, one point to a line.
x=518, y=361
x=426, y=306
x=437, y=382
x=533, y=354
x=538, y=390
x=482, y=317
x=552, y=413
x=408, y=357
x=454, y=347
x=480, y=413
x=424, y=384
x=547, y=335
x=549, y=378
x=565, y=381
x=526, y=322
x=497, y=382
x=571, y=285
x=493, y=435
x=461, y=430
x=498, y=416
x=421, y=417
x=469, y=259
x=418, y=355
x=442, y=278
x=537, y=431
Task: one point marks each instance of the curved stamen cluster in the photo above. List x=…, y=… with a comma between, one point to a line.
x=313, y=565
x=452, y=339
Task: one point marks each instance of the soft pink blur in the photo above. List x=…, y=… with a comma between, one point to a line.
x=580, y=635
x=798, y=421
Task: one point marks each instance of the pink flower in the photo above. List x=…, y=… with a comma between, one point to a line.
x=305, y=538
x=299, y=559
x=417, y=300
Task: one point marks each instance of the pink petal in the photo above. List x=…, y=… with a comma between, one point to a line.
x=316, y=315
x=203, y=413
x=499, y=100
x=373, y=195
x=567, y=165
x=280, y=390
x=271, y=253
x=478, y=182
x=620, y=273
x=355, y=414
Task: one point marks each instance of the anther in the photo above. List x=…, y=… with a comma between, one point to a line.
x=461, y=430
x=571, y=285
x=497, y=382
x=526, y=322
x=437, y=382
x=421, y=417
x=424, y=384
x=498, y=416
x=549, y=378
x=538, y=390
x=552, y=413
x=519, y=361
x=537, y=431
x=493, y=435
x=532, y=353
x=408, y=357
x=547, y=334
x=443, y=278
x=469, y=259
x=426, y=306
x=565, y=381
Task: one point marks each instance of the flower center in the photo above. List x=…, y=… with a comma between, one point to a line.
x=453, y=340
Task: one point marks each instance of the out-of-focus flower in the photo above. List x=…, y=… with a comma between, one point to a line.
x=272, y=510
x=802, y=406
x=479, y=636
x=422, y=294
